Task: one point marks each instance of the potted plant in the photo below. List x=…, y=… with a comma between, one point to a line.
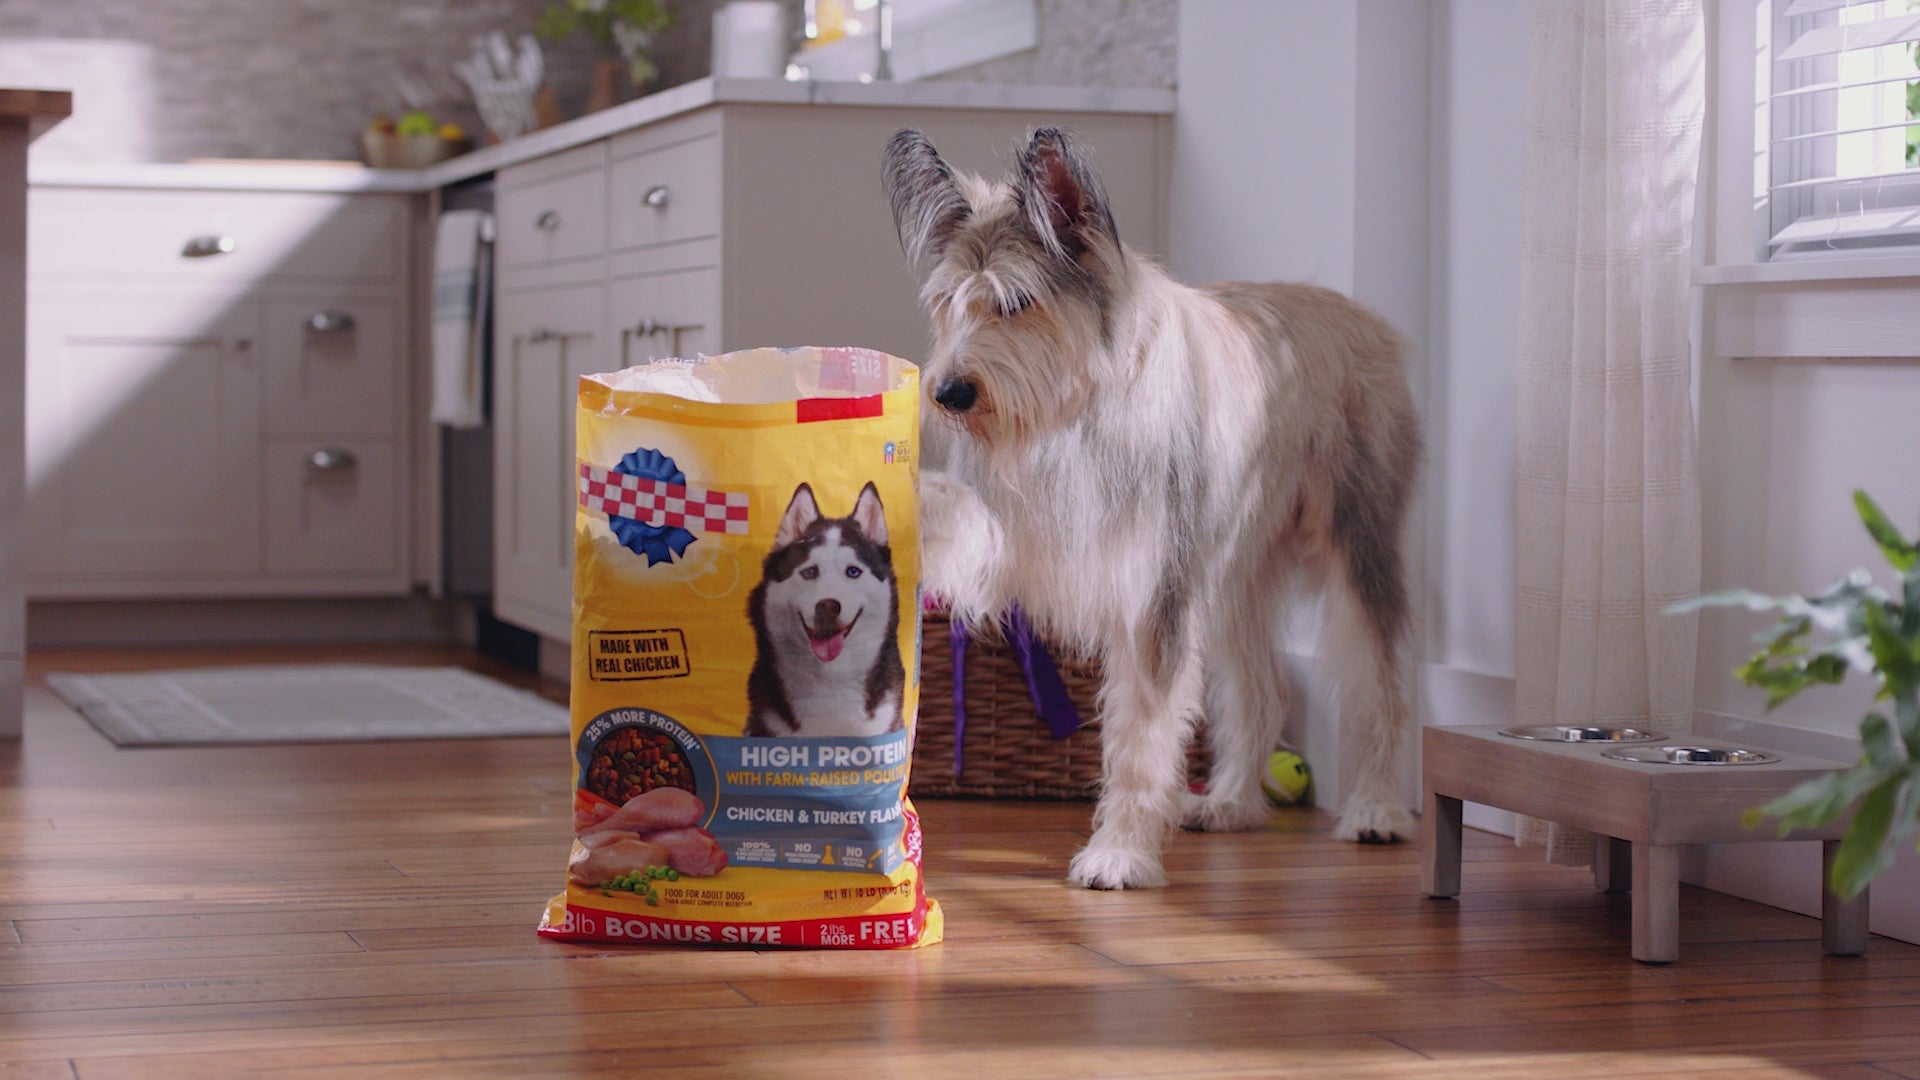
x=1855, y=625
x=626, y=26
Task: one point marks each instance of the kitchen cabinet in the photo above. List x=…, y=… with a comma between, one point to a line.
x=545, y=340
x=143, y=438
x=725, y=227
x=216, y=394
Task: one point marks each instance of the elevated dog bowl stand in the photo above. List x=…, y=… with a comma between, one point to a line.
x=1639, y=812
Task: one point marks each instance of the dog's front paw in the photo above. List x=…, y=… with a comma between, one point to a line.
x=1374, y=822
x=1210, y=813
x=960, y=545
x=942, y=501
x=1115, y=868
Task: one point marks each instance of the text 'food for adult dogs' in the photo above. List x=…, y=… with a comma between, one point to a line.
x=745, y=654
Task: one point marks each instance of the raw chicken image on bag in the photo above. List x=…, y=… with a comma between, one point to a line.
x=746, y=572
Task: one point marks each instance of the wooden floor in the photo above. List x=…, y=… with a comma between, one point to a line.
x=368, y=910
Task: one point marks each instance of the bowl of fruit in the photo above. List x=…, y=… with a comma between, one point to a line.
x=414, y=141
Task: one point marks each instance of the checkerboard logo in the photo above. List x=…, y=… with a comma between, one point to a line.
x=651, y=508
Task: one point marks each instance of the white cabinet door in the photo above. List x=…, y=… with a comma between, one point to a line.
x=143, y=442
x=333, y=510
x=333, y=367
x=669, y=314
x=544, y=341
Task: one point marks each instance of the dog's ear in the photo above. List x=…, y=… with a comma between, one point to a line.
x=1063, y=198
x=869, y=515
x=802, y=511
x=927, y=205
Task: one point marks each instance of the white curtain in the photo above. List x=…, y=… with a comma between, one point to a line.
x=1606, y=502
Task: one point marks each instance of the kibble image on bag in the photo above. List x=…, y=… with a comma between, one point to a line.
x=746, y=654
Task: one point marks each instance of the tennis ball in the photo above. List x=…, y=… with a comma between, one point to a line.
x=1287, y=778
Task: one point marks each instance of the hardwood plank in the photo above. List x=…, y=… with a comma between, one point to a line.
x=169, y=948
x=501, y=1057
x=1662, y=1027
x=289, y=919
x=52, y=1069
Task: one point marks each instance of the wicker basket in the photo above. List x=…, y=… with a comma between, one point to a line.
x=1008, y=751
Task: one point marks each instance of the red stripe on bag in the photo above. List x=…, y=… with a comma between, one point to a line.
x=814, y=410
x=900, y=931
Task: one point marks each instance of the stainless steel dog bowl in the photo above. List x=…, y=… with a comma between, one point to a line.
x=1574, y=733
x=1685, y=754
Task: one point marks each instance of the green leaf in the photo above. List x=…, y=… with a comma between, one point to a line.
x=556, y=23
x=1821, y=800
x=1783, y=680
x=1897, y=548
x=1893, y=655
x=1881, y=743
x=1864, y=851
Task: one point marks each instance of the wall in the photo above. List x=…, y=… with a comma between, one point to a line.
x=283, y=79
x=239, y=78
x=1092, y=43
x=1808, y=390
x=189, y=79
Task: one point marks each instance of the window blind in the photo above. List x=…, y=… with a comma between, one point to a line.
x=1844, y=123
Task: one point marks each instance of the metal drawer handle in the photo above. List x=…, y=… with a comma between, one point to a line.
x=650, y=327
x=331, y=459
x=656, y=197
x=201, y=247
x=542, y=334
x=548, y=221
x=330, y=322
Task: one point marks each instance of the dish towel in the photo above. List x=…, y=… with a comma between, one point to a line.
x=461, y=289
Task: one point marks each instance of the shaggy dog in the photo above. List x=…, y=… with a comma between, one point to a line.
x=1153, y=471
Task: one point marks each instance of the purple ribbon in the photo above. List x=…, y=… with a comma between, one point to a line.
x=1045, y=688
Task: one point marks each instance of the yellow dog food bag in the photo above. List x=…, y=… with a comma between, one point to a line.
x=746, y=618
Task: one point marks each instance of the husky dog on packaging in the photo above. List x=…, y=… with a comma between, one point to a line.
x=826, y=620
x=1153, y=471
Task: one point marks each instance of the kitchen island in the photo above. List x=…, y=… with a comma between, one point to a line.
x=24, y=116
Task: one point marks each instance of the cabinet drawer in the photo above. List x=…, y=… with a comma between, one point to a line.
x=331, y=367
x=669, y=314
x=187, y=236
x=553, y=220
x=667, y=195
x=333, y=507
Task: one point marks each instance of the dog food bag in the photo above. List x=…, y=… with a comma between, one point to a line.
x=746, y=654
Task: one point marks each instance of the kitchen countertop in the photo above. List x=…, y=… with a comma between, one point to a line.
x=41, y=109
x=327, y=176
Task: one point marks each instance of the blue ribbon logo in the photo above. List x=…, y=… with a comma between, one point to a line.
x=659, y=543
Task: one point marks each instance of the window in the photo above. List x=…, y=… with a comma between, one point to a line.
x=1837, y=126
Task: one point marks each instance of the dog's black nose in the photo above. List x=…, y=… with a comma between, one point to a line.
x=826, y=609
x=956, y=394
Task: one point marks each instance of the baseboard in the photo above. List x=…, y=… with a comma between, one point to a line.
x=167, y=623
